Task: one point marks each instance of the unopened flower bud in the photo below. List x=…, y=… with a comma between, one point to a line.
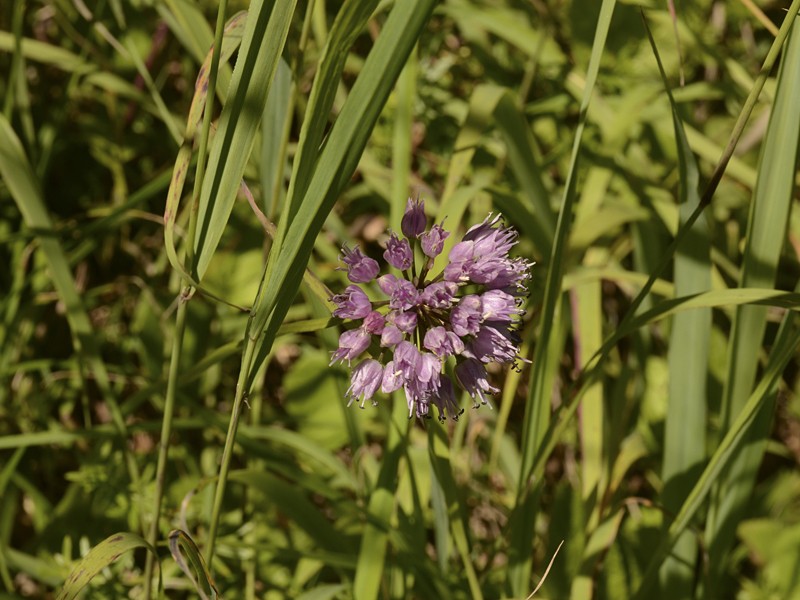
x=414, y=220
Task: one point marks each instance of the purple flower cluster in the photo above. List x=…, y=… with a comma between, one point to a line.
x=470, y=312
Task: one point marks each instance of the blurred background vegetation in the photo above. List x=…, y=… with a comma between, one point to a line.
x=622, y=456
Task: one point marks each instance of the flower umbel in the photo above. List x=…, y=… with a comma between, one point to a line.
x=456, y=321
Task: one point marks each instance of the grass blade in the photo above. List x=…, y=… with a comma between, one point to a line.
x=100, y=557
x=768, y=222
x=179, y=543
x=688, y=355
x=375, y=539
x=230, y=42
x=18, y=176
x=785, y=346
x=334, y=168
x=537, y=409
x=262, y=43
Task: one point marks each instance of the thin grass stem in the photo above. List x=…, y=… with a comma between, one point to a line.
x=166, y=433
x=186, y=293
x=227, y=453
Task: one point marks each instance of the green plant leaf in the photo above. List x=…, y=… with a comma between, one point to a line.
x=262, y=43
x=182, y=545
x=100, y=557
x=537, y=408
x=766, y=235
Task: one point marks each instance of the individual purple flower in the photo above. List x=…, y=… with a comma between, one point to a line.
x=491, y=240
x=417, y=398
x=414, y=220
x=392, y=378
x=398, y=253
x=442, y=343
x=428, y=370
x=352, y=304
x=374, y=323
x=439, y=295
x=494, y=342
x=360, y=268
x=465, y=319
x=391, y=336
x=365, y=381
x=471, y=375
x=406, y=359
x=421, y=388
x=486, y=269
x=499, y=306
x=351, y=344
x=513, y=277
x=404, y=321
x=433, y=241
x=445, y=401
x=461, y=260
x=402, y=293
x=455, y=321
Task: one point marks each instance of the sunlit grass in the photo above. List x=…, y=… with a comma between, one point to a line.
x=171, y=255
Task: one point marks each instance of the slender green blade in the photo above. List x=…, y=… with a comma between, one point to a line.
x=401, y=142
x=442, y=470
x=766, y=236
x=525, y=166
x=100, y=557
x=786, y=344
x=182, y=547
x=230, y=42
x=272, y=165
x=537, y=409
x=262, y=43
x=335, y=166
x=375, y=540
x=688, y=355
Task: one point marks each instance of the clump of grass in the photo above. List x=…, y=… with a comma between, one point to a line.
x=166, y=379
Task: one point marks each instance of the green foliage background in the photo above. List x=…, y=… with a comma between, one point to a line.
x=646, y=152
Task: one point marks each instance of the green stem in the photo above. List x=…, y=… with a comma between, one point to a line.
x=186, y=293
x=227, y=453
x=166, y=433
x=16, y=57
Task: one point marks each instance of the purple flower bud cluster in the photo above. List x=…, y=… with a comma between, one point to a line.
x=456, y=321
